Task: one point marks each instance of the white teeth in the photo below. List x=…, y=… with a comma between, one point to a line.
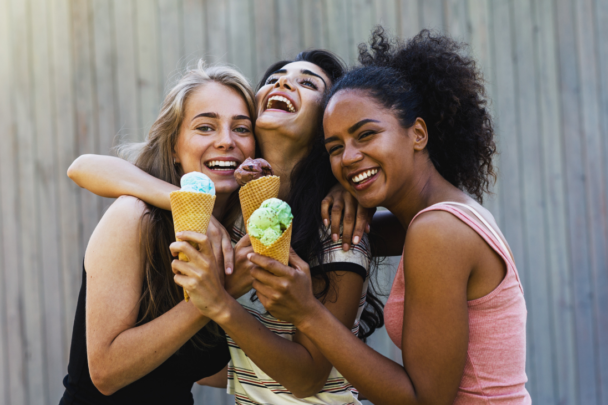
x=284, y=100
x=362, y=176
x=221, y=163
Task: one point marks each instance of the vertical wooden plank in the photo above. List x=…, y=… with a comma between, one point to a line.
x=456, y=19
x=363, y=19
x=194, y=30
x=28, y=218
x=433, y=16
x=4, y=358
x=46, y=193
x=540, y=341
x=578, y=237
x=289, y=28
x=149, y=82
x=242, y=37
x=126, y=81
x=86, y=125
x=480, y=35
x=266, y=41
x=170, y=34
x=12, y=299
x=313, y=29
x=217, y=27
x=104, y=64
x=387, y=16
x=410, y=18
x=337, y=26
x=560, y=294
x=65, y=151
x=596, y=186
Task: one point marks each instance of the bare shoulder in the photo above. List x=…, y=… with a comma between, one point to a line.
x=438, y=227
x=117, y=233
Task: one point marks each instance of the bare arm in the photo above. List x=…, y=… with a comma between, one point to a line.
x=438, y=259
x=298, y=365
x=111, y=177
x=119, y=352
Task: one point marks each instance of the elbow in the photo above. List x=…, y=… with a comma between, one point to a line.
x=308, y=389
x=103, y=380
x=75, y=168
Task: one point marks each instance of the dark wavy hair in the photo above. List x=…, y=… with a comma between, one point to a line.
x=311, y=180
x=430, y=77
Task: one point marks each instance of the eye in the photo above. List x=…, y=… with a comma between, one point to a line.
x=365, y=134
x=271, y=80
x=242, y=130
x=204, y=128
x=309, y=83
x=333, y=149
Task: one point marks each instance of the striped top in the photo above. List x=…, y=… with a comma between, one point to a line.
x=495, y=368
x=249, y=384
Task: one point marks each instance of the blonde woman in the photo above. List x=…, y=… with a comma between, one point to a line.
x=135, y=340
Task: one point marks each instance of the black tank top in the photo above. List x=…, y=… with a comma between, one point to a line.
x=169, y=383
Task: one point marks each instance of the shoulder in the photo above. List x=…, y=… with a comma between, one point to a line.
x=118, y=231
x=438, y=228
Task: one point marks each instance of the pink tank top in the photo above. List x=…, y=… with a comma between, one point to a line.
x=494, y=372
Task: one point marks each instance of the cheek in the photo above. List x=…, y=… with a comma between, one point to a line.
x=246, y=145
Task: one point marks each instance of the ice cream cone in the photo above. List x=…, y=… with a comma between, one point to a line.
x=254, y=193
x=279, y=250
x=191, y=212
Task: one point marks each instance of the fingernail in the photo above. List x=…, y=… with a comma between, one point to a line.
x=334, y=237
x=355, y=240
x=228, y=270
x=345, y=247
x=326, y=223
x=367, y=228
x=249, y=256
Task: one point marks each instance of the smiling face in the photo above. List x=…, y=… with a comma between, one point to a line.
x=216, y=135
x=371, y=154
x=290, y=101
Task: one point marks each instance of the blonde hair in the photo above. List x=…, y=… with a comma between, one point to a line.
x=155, y=156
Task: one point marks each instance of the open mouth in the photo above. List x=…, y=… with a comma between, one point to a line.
x=280, y=103
x=364, y=177
x=221, y=165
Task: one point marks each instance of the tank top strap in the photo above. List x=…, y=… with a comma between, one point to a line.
x=486, y=231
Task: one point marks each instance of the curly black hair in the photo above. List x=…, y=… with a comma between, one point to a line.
x=430, y=77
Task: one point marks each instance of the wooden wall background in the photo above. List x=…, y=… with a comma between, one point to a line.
x=76, y=74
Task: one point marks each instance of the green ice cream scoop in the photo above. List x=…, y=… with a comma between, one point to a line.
x=268, y=222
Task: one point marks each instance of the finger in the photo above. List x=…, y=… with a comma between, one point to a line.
x=184, y=268
x=228, y=254
x=336, y=218
x=185, y=248
x=187, y=283
x=263, y=291
x=297, y=262
x=348, y=222
x=325, y=207
x=270, y=265
x=361, y=223
x=190, y=236
x=245, y=241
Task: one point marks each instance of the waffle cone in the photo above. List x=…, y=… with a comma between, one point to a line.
x=191, y=212
x=254, y=193
x=279, y=250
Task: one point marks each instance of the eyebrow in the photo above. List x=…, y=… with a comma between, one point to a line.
x=216, y=115
x=303, y=71
x=360, y=124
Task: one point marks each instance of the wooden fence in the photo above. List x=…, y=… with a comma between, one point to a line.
x=77, y=74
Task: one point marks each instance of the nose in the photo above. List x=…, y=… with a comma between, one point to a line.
x=351, y=155
x=224, y=139
x=283, y=83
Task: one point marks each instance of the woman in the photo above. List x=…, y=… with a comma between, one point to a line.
x=281, y=367
x=409, y=131
x=135, y=340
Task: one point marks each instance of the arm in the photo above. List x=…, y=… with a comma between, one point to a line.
x=298, y=365
x=111, y=177
x=438, y=258
x=119, y=352
x=217, y=380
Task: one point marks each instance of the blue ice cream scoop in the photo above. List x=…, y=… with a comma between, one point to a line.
x=198, y=183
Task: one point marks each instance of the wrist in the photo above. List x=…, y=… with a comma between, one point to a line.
x=313, y=313
x=225, y=311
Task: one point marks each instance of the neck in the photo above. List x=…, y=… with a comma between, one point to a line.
x=283, y=154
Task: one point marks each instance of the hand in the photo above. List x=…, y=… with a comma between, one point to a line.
x=201, y=277
x=356, y=218
x=221, y=244
x=285, y=292
x=239, y=282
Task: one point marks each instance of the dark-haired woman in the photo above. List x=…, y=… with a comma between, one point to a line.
x=276, y=364
x=409, y=131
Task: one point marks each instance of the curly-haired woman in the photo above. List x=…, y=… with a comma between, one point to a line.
x=409, y=131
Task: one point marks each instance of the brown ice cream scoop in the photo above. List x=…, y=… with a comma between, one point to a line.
x=252, y=169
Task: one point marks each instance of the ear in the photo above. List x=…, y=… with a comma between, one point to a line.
x=420, y=134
